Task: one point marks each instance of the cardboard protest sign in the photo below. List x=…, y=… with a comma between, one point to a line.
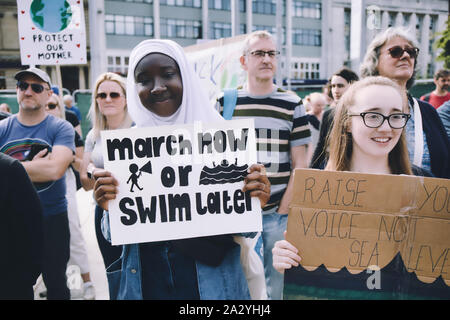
x=217, y=63
x=382, y=236
x=181, y=181
x=51, y=32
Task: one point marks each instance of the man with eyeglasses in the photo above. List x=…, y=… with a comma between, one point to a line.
x=45, y=146
x=282, y=133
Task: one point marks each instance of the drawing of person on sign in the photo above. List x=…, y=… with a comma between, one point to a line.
x=134, y=177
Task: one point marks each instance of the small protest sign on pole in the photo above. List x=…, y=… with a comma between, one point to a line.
x=52, y=32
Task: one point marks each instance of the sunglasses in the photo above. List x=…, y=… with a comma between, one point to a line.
x=52, y=106
x=397, y=52
x=104, y=95
x=37, y=88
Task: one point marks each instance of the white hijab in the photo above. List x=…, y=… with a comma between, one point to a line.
x=195, y=105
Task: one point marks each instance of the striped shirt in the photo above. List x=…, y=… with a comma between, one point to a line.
x=281, y=123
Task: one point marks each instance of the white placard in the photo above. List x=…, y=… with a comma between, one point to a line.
x=180, y=182
x=217, y=64
x=51, y=32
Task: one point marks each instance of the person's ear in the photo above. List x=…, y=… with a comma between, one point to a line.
x=243, y=62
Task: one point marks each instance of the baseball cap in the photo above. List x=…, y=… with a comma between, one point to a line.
x=37, y=72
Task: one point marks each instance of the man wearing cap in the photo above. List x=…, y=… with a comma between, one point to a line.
x=45, y=145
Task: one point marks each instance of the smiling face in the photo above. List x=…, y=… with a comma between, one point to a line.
x=110, y=105
x=398, y=69
x=159, y=84
x=374, y=142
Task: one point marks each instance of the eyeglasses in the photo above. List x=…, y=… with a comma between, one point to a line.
x=104, y=95
x=397, y=52
x=262, y=53
x=52, y=106
x=37, y=88
x=376, y=120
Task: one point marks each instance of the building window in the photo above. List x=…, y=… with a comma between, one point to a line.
x=305, y=9
x=242, y=6
x=347, y=28
x=182, y=3
x=118, y=64
x=220, y=30
x=307, y=37
x=419, y=28
x=272, y=30
x=301, y=69
x=265, y=6
x=242, y=28
x=129, y=25
x=175, y=28
x=391, y=19
x=219, y=4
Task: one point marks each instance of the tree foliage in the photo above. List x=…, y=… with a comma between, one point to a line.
x=444, y=44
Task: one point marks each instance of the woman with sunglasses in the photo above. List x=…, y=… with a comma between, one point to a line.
x=393, y=54
x=78, y=253
x=108, y=112
x=67, y=114
x=368, y=136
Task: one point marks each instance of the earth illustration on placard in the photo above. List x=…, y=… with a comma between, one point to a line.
x=51, y=15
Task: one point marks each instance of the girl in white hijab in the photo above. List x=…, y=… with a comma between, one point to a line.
x=195, y=105
x=163, y=89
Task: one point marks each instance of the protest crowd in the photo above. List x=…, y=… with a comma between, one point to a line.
x=364, y=122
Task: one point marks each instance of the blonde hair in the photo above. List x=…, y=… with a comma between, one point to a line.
x=98, y=120
x=60, y=103
x=340, y=140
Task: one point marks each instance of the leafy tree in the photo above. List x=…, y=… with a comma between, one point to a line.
x=444, y=44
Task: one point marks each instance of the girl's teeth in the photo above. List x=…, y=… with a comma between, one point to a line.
x=381, y=139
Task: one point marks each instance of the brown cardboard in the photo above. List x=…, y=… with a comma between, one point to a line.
x=354, y=220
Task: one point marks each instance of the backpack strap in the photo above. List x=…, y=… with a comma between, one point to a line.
x=229, y=103
x=427, y=97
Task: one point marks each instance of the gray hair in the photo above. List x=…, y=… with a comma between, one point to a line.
x=369, y=66
x=260, y=34
x=68, y=97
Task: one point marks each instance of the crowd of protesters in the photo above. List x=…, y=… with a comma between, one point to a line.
x=368, y=123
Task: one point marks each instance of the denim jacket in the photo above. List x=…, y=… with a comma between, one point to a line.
x=224, y=282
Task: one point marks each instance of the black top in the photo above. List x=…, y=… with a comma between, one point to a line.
x=320, y=156
x=72, y=118
x=21, y=231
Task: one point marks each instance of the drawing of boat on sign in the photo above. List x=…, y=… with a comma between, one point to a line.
x=223, y=173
